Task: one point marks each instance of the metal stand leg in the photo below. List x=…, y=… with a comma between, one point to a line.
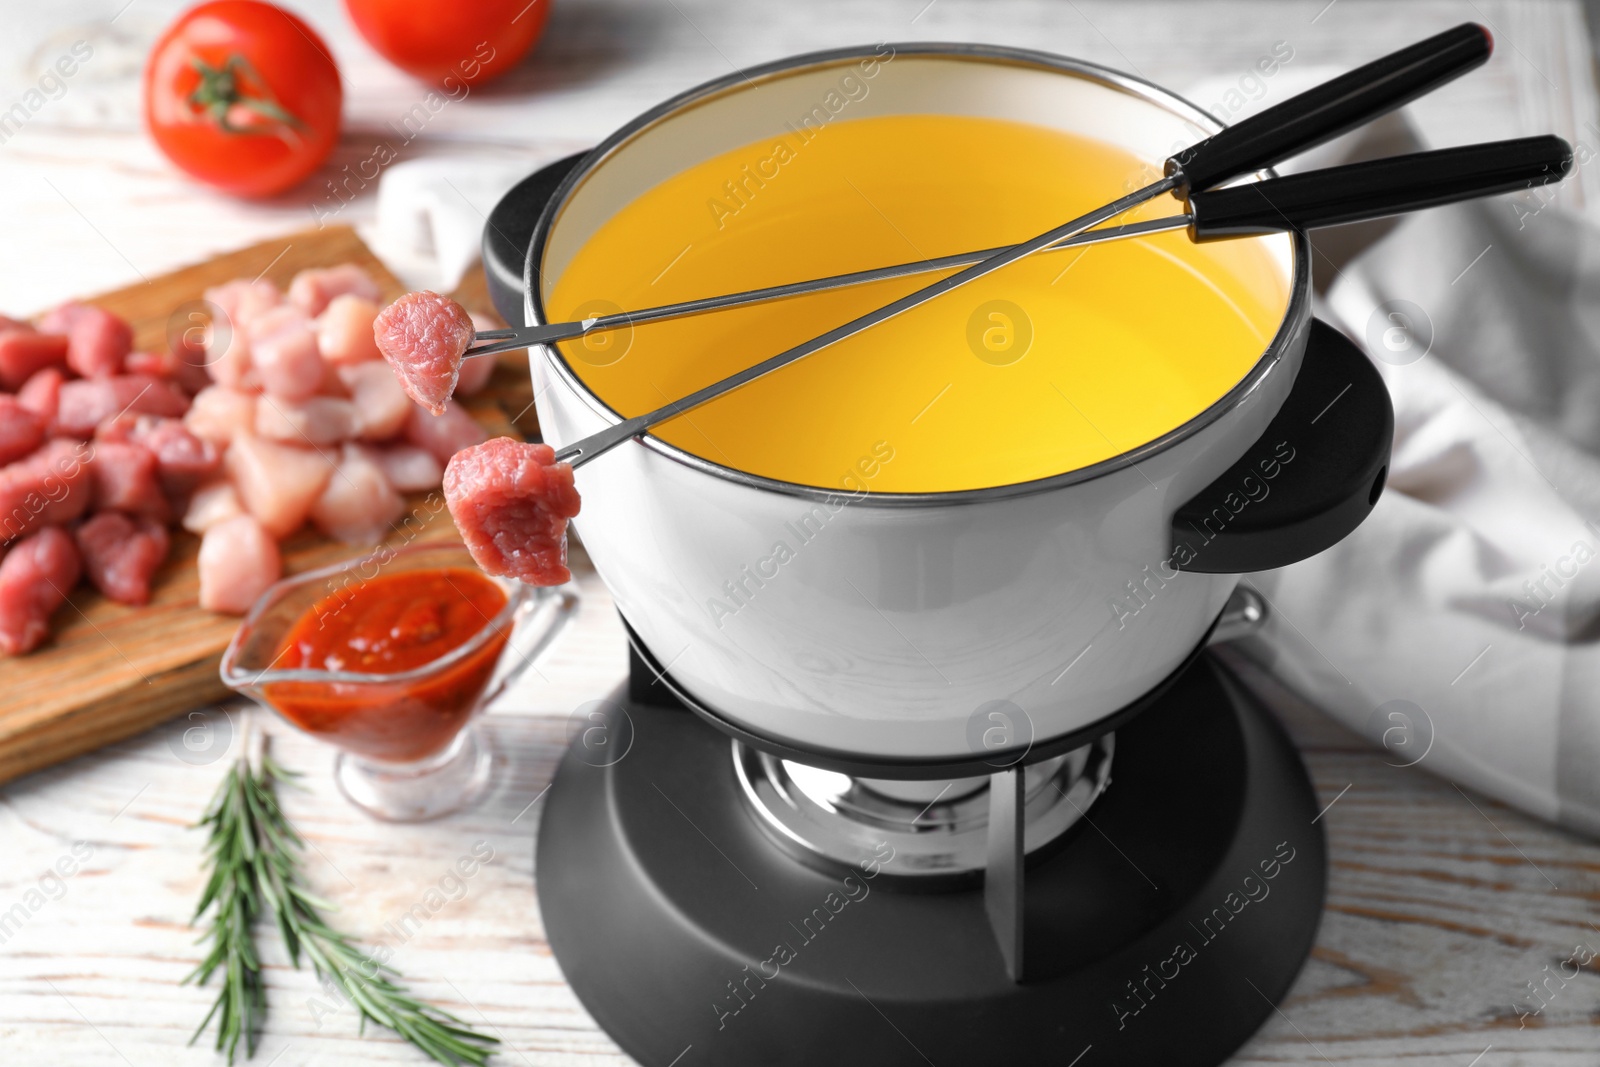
x=1002, y=886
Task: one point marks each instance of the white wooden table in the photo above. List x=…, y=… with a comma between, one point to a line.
x=1443, y=907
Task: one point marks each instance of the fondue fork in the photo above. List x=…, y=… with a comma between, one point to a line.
x=1301, y=122
x=1356, y=192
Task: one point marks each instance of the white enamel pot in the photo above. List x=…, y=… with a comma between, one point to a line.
x=887, y=628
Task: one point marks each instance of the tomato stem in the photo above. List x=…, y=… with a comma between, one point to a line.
x=222, y=88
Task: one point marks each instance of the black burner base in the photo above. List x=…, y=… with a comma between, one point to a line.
x=1162, y=932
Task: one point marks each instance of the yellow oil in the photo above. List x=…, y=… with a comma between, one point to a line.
x=1051, y=364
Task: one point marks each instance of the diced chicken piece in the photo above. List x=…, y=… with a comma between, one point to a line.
x=278, y=483
x=312, y=290
x=423, y=336
x=242, y=300
x=283, y=350
x=183, y=459
x=475, y=373
x=511, y=501
x=21, y=429
x=42, y=393
x=85, y=404
x=127, y=478
x=35, y=578
x=444, y=435
x=219, y=414
x=24, y=352
x=121, y=554
x=316, y=420
x=359, y=506
x=409, y=469
x=381, y=404
x=52, y=487
x=211, y=504
x=344, y=330
x=97, y=340
x=238, y=562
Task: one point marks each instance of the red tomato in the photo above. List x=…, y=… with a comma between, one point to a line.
x=451, y=42
x=243, y=95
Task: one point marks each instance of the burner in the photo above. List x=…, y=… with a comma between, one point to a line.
x=937, y=829
x=1158, y=925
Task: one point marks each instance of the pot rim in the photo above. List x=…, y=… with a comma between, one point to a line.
x=1292, y=325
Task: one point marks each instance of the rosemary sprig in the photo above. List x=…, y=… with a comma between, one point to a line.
x=254, y=856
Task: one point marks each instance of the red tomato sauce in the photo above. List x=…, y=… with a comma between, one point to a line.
x=389, y=625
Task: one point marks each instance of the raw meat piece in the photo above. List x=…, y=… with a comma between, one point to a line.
x=49, y=488
x=278, y=483
x=211, y=504
x=42, y=393
x=283, y=350
x=97, y=340
x=423, y=335
x=444, y=435
x=316, y=420
x=314, y=288
x=87, y=403
x=475, y=373
x=344, y=330
x=184, y=459
x=220, y=413
x=241, y=300
x=238, y=562
x=120, y=554
x=21, y=429
x=381, y=404
x=188, y=371
x=24, y=351
x=127, y=478
x=511, y=502
x=409, y=469
x=359, y=506
x=35, y=578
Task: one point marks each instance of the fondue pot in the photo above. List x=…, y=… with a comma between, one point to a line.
x=930, y=635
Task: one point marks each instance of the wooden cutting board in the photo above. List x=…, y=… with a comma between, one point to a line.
x=112, y=670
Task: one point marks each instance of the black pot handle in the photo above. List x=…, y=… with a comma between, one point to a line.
x=1310, y=478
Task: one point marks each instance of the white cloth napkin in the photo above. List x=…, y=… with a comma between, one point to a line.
x=1459, y=626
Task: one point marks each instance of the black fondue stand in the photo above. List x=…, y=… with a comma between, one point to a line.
x=1160, y=929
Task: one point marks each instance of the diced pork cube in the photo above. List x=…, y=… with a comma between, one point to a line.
x=35, y=578
x=242, y=300
x=189, y=373
x=278, y=483
x=423, y=336
x=24, y=351
x=127, y=478
x=211, y=504
x=21, y=429
x=183, y=459
x=511, y=501
x=344, y=330
x=42, y=393
x=444, y=435
x=52, y=487
x=316, y=420
x=220, y=413
x=97, y=340
x=238, y=562
x=85, y=404
x=312, y=290
x=409, y=469
x=381, y=404
x=359, y=506
x=283, y=350
x=121, y=554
